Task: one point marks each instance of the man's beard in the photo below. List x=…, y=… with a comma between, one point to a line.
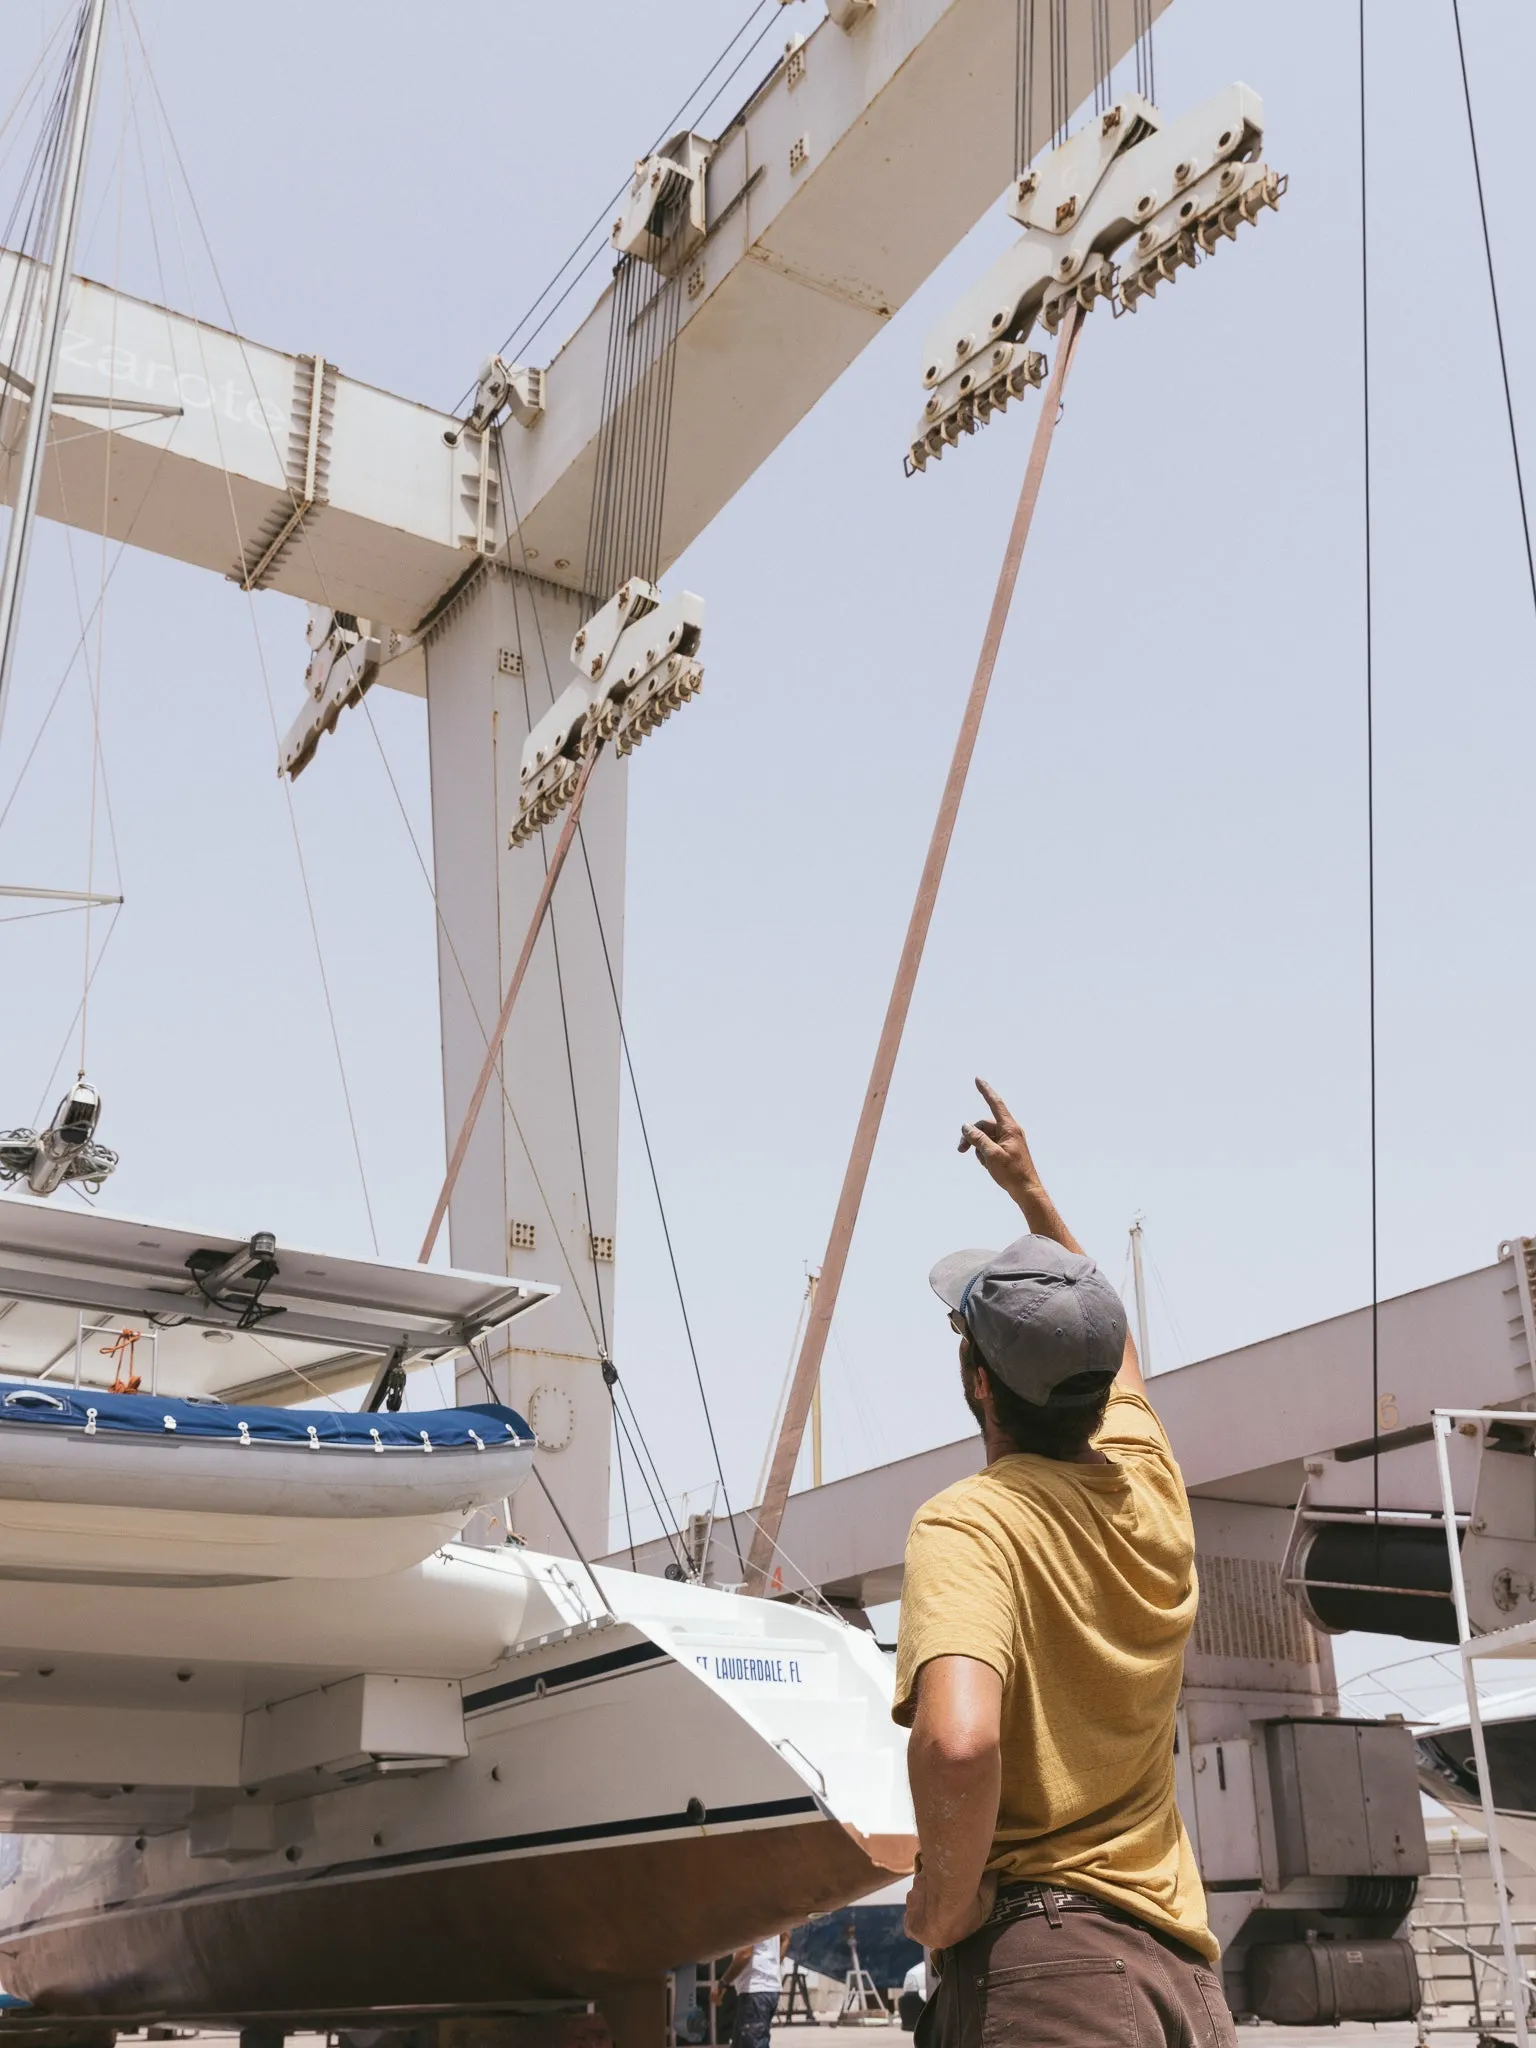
x=967, y=1383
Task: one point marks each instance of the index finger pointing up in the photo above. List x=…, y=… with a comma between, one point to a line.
x=994, y=1101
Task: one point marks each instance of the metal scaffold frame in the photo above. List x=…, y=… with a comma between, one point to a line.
x=1504, y=1642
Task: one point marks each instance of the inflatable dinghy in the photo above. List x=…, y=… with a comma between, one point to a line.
x=132, y=1483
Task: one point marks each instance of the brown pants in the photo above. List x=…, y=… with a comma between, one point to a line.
x=1078, y=1979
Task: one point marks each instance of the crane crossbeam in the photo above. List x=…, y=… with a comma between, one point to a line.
x=844, y=181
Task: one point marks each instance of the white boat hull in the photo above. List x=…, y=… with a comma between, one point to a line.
x=665, y=1782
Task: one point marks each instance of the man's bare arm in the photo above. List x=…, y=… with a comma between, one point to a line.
x=954, y=1765
x=999, y=1143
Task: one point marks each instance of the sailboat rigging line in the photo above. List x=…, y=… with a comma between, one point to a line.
x=1493, y=294
x=807, y=1583
x=58, y=1061
x=570, y=1069
x=94, y=677
x=29, y=480
x=576, y=1548
x=663, y=1520
x=629, y=1521
x=37, y=191
x=30, y=90
x=517, y=336
x=516, y=532
x=474, y=1011
x=819, y=1322
x=62, y=910
x=661, y=1207
x=493, y=1049
x=164, y=133
x=76, y=652
x=778, y=1407
x=1370, y=784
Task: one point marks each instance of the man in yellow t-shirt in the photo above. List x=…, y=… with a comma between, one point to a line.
x=1043, y=1620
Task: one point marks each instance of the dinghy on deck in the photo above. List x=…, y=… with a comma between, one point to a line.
x=138, y=1482
x=149, y=1430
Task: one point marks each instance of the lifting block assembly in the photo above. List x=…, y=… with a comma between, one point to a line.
x=1178, y=189
x=637, y=663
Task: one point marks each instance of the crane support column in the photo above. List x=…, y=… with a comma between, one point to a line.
x=530, y=1173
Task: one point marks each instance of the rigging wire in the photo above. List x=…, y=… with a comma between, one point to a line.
x=68, y=1039
x=1493, y=294
x=517, y=337
x=570, y=1069
x=1024, y=87
x=661, y=1207
x=1370, y=784
x=94, y=676
x=510, y=498
x=163, y=132
x=1146, y=66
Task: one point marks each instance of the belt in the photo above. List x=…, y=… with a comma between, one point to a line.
x=1014, y=1901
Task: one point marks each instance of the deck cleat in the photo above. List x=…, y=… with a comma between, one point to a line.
x=1170, y=189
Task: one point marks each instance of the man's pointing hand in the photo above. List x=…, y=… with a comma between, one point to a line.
x=1000, y=1144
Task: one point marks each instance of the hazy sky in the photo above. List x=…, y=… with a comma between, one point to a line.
x=1152, y=934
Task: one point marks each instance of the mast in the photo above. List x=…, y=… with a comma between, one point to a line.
x=1143, y=1346
x=18, y=540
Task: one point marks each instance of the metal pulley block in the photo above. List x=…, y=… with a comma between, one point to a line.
x=650, y=668
x=1171, y=189
x=345, y=657
x=551, y=761
x=664, y=690
x=969, y=397
x=662, y=219
x=501, y=387
x=638, y=664
x=1210, y=211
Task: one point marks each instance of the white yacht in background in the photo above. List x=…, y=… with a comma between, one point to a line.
x=1448, y=1768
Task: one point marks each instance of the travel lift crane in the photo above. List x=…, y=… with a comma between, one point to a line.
x=849, y=174
x=795, y=234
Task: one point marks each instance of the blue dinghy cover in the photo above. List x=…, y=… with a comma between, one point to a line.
x=485, y=1425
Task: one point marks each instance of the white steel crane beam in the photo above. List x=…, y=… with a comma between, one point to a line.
x=850, y=174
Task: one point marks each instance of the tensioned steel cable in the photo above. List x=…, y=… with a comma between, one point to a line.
x=509, y=496
x=1493, y=293
x=520, y=334
x=1146, y=69
x=1024, y=88
x=630, y=474
x=661, y=1207
x=1370, y=795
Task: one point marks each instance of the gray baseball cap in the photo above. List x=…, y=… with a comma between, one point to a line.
x=1045, y=1320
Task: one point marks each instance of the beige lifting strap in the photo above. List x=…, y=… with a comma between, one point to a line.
x=770, y=1515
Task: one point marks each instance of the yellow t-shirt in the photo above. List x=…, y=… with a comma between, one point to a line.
x=1076, y=1583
